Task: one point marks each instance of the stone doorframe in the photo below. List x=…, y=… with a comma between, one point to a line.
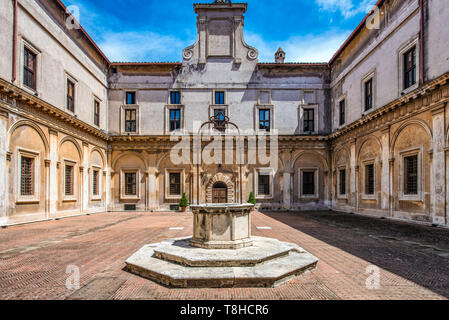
x=220, y=177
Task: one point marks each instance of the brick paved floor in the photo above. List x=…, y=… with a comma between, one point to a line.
x=413, y=259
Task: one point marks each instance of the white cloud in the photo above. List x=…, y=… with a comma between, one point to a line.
x=307, y=48
x=142, y=46
x=346, y=7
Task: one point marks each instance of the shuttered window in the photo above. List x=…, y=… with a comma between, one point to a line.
x=70, y=96
x=369, y=179
x=130, y=120
x=410, y=68
x=29, y=69
x=411, y=175
x=27, y=176
x=131, y=183
x=175, y=183
x=68, y=187
x=97, y=113
x=95, y=183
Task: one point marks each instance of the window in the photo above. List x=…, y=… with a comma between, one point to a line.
x=26, y=176
x=342, y=182
x=130, y=183
x=219, y=116
x=369, y=179
x=70, y=96
x=175, y=97
x=411, y=175
x=308, y=183
x=368, y=94
x=96, y=112
x=68, y=181
x=130, y=98
x=264, y=119
x=263, y=187
x=175, y=119
x=219, y=97
x=410, y=68
x=342, y=112
x=309, y=120
x=130, y=120
x=175, y=183
x=29, y=69
x=95, y=188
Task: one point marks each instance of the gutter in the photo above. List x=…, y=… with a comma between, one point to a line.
x=421, y=45
x=14, y=40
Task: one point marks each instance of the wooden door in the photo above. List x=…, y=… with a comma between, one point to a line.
x=220, y=193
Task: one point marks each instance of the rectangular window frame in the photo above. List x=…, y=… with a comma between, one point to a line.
x=365, y=163
x=342, y=115
x=126, y=108
x=368, y=107
x=96, y=197
x=123, y=195
x=25, y=45
x=70, y=80
x=339, y=183
x=170, y=101
x=125, y=102
x=401, y=69
x=270, y=173
x=214, y=97
x=257, y=109
x=168, y=195
x=419, y=197
x=74, y=196
x=34, y=198
x=315, y=119
x=315, y=195
x=97, y=112
x=168, y=110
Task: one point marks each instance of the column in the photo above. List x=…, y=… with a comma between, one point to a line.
x=85, y=183
x=438, y=172
x=108, y=185
x=353, y=176
x=385, y=170
x=53, y=172
x=4, y=117
x=153, y=203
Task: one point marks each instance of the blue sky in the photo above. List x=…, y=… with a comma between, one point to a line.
x=151, y=30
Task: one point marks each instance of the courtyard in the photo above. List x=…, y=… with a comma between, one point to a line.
x=36, y=260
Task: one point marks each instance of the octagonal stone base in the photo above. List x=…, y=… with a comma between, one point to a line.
x=174, y=263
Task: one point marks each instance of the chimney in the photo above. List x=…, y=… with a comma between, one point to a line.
x=279, y=57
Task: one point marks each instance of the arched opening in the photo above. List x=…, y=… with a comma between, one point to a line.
x=220, y=193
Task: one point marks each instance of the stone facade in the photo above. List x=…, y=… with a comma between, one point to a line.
x=120, y=157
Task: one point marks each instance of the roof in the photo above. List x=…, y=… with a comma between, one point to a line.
x=85, y=33
x=355, y=32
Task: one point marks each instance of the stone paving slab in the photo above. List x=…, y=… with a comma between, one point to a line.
x=263, y=249
x=270, y=273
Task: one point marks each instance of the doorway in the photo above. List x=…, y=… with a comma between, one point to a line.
x=219, y=193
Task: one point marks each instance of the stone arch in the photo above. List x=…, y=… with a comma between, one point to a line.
x=75, y=143
x=418, y=122
x=128, y=153
x=339, y=152
x=220, y=178
x=366, y=140
x=321, y=157
x=33, y=125
x=98, y=150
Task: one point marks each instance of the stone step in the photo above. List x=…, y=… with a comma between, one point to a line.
x=271, y=273
x=179, y=251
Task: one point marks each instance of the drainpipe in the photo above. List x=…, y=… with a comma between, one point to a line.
x=421, y=39
x=14, y=40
